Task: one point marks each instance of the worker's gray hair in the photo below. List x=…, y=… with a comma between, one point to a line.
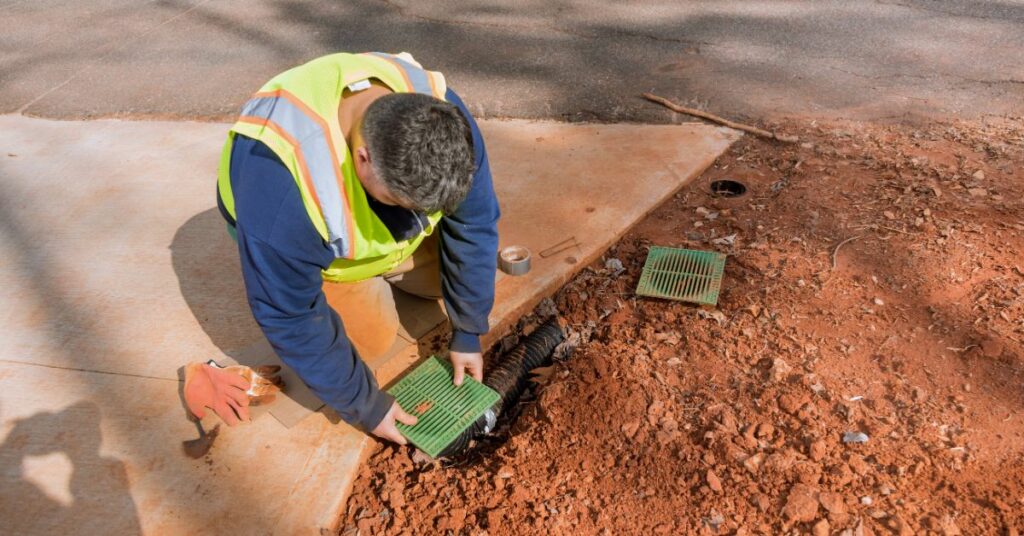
x=422, y=150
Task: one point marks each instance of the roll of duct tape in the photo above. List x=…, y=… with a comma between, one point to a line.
x=514, y=260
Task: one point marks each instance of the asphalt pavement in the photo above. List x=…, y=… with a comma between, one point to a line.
x=567, y=60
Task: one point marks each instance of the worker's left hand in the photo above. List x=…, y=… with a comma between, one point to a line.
x=463, y=361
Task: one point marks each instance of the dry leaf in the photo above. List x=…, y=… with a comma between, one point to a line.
x=542, y=375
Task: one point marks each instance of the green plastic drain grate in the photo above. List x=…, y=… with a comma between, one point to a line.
x=444, y=411
x=682, y=274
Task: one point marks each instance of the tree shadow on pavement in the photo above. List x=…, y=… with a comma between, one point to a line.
x=75, y=430
x=33, y=496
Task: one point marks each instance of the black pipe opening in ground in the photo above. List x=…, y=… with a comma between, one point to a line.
x=728, y=188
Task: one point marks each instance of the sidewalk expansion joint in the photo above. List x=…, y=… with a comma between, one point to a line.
x=93, y=371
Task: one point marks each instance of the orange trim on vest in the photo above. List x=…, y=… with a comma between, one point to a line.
x=340, y=179
x=433, y=87
x=401, y=71
x=306, y=178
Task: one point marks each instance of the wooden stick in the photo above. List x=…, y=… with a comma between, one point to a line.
x=720, y=120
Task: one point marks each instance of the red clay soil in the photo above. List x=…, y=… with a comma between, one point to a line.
x=874, y=284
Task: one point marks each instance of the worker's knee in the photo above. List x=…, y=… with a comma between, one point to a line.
x=373, y=345
x=367, y=309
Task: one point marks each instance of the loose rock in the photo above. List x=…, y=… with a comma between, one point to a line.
x=801, y=504
x=753, y=463
x=780, y=369
x=713, y=481
x=833, y=502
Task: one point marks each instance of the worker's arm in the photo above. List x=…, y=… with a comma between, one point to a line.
x=469, y=251
x=281, y=257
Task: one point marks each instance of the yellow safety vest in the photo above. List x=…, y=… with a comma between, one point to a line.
x=295, y=114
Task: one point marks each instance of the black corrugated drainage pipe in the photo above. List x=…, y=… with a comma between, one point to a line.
x=509, y=377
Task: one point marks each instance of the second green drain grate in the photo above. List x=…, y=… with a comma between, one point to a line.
x=682, y=274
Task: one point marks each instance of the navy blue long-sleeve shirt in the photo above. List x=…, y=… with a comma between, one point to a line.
x=282, y=256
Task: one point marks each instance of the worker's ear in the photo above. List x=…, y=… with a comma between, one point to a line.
x=362, y=162
x=363, y=155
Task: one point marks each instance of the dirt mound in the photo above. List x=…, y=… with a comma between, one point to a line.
x=862, y=373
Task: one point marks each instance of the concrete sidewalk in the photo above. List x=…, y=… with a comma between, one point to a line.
x=115, y=270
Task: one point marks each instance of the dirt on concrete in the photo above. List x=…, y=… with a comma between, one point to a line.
x=874, y=285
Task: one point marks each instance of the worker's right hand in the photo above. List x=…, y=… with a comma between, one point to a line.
x=387, y=429
x=222, y=390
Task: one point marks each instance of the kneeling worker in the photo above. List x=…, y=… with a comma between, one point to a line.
x=342, y=177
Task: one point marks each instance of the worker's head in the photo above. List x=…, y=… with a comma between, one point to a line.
x=416, y=152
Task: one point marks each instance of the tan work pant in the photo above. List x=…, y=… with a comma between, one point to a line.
x=367, y=307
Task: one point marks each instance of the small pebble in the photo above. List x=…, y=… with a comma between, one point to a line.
x=866, y=501
x=713, y=481
x=855, y=437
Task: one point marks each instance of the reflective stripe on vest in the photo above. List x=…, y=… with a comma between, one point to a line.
x=321, y=171
x=417, y=78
